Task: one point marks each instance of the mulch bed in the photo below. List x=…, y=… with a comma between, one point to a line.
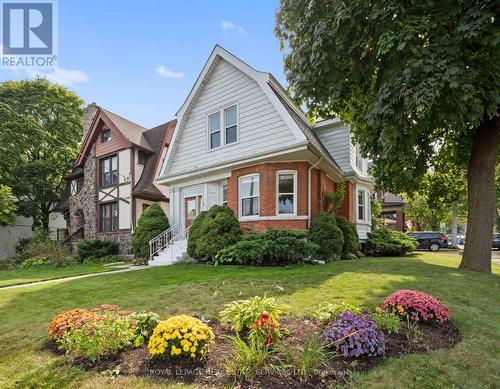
x=210, y=372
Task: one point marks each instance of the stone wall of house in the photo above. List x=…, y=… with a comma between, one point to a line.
x=124, y=240
x=83, y=205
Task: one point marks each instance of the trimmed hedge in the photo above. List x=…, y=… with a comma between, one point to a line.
x=324, y=232
x=219, y=230
x=194, y=235
x=275, y=247
x=152, y=222
x=96, y=248
x=385, y=242
x=351, y=238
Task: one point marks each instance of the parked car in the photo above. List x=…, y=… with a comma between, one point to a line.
x=496, y=241
x=433, y=241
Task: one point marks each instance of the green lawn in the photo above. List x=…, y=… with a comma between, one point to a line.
x=473, y=299
x=24, y=276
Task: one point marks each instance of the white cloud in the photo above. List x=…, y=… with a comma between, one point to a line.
x=228, y=25
x=64, y=77
x=167, y=73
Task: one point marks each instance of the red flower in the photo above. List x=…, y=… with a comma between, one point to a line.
x=264, y=316
x=269, y=340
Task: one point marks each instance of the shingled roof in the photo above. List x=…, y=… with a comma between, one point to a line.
x=130, y=130
x=159, y=137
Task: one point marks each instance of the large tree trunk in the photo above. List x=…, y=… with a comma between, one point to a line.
x=481, y=197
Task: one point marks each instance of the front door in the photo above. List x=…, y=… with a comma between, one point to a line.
x=192, y=207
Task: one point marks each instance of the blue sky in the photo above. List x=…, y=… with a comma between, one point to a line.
x=139, y=59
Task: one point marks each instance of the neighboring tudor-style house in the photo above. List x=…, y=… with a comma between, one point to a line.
x=112, y=180
x=240, y=141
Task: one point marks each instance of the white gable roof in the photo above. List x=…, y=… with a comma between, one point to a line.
x=296, y=123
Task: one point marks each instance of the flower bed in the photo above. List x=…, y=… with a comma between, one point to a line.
x=266, y=349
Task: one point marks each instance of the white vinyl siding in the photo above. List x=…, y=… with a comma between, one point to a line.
x=338, y=143
x=260, y=127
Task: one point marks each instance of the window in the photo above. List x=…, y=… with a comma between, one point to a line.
x=223, y=127
x=106, y=136
x=231, y=128
x=144, y=207
x=142, y=157
x=214, y=130
x=109, y=170
x=79, y=184
x=249, y=195
x=286, y=192
x=109, y=217
x=361, y=205
x=224, y=194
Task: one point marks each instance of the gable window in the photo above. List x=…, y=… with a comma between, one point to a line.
x=144, y=207
x=106, y=136
x=249, y=195
x=230, y=124
x=214, y=130
x=109, y=170
x=223, y=127
x=361, y=204
x=286, y=192
x=109, y=217
x=142, y=157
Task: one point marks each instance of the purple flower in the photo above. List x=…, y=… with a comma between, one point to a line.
x=354, y=336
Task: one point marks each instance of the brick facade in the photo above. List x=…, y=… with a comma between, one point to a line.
x=320, y=185
x=348, y=208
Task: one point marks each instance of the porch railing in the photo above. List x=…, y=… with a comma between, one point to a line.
x=162, y=240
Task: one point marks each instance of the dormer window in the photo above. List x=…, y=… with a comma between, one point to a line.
x=106, y=136
x=223, y=127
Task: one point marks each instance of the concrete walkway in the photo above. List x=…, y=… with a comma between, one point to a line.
x=132, y=268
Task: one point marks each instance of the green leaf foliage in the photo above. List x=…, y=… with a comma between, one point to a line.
x=242, y=313
x=152, y=222
x=386, y=242
x=194, y=235
x=350, y=234
x=40, y=134
x=219, y=229
x=91, y=250
x=275, y=247
x=7, y=206
x=406, y=76
x=324, y=232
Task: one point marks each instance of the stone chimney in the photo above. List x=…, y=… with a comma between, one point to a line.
x=88, y=115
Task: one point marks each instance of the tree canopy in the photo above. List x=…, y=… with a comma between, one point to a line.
x=40, y=132
x=7, y=206
x=419, y=82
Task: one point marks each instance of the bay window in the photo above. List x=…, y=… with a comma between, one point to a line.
x=249, y=195
x=361, y=205
x=286, y=192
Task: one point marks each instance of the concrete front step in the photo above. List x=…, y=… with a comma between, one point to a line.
x=170, y=254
